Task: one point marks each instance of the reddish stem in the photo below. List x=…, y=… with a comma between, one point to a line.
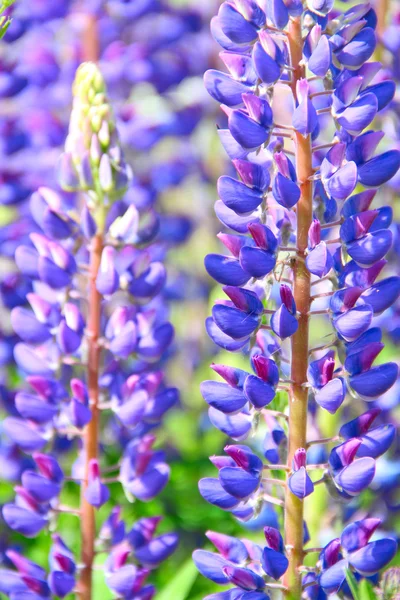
x=301, y=287
x=91, y=434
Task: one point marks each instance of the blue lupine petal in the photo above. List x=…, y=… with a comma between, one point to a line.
x=222, y=396
x=247, y=132
x=229, y=218
x=332, y=395
x=229, y=547
x=286, y=192
x=210, y=565
x=283, y=323
x=237, y=196
x=383, y=294
x=212, y=491
x=359, y=50
x=234, y=25
x=374, y=556
x=266, y=67
x=224, y=88
x=319, y=260
x=235, y=323
x=274, y=563
x=354, y=322
x=320, y=59
x=225, y=269
x=376, y=381
x=300, y=483
x=377, y=441
x=354, y=478
x=357, y=534
x=221, y=339
x=332, y=579
x=256, y=262
x=258, y=391
x=380, y=169
x=236, y=426
x=237, y=482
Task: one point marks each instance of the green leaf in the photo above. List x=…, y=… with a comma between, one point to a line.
x=367, y=590
x=351, y=580
x=179, y=587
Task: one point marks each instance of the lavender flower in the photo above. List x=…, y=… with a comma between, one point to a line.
x=306, y=244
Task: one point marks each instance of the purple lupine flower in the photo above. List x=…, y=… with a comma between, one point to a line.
x=313, y=192
x=59, y=335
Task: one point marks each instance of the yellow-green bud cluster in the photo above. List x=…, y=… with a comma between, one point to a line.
x=93, y=160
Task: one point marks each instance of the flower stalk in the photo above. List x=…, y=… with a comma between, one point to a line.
x=91, y=432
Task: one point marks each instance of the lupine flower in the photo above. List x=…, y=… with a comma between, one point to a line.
x=296, y=74
x=55, y=336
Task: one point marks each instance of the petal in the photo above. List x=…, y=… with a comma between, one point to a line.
x=212, y=491
x=222, y=396
x=247, y=132
x=210, y=565
x=341, y=184
x=380, y=169
x=26, y=522
x=266, y=67
x=371, y=248
x=157, y=550
x=24, y=434
x=283, y=323
x=229, y=547
x=237, y=196
x=274, y=563
x=320, y=59
x=383, y=294
x=34, y=408
x=376, y=381
x=221, y=339
x=41, y=488
x=237, y=482
x=256, y=262
x=258, y=392
x=226, y=270
x=245, y=578
x=61, y=584
x=286, y=192
x=357, y=476
x=332, y=579
x=235, y=426
x=358, y=50
x=230, y=219
x=27, y=326
x=361, y=359
x=234, y=322
x=354, y=322
x=357, y=534
x=319, y=260
x=235, y=26
x=224, y=88
x=373, y=557
x=377, y=441
x=149, y=485
x=331, y=396
x=358, y=115
x=300, y=483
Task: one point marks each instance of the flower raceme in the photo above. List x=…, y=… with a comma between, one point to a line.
x=300, y=99
x=89, y=354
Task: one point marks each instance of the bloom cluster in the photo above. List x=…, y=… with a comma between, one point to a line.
x=92, y=345
x=42, y=49
x=300, y=99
